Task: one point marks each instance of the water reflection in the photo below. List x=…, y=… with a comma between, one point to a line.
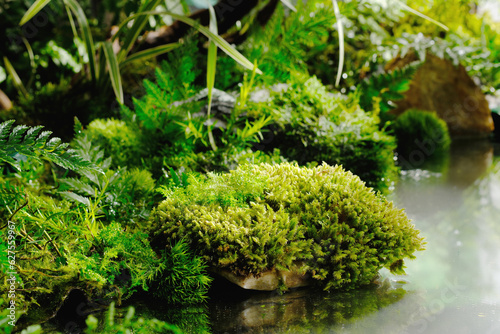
x=458, y=276
x=453, y=286
x=301, y=311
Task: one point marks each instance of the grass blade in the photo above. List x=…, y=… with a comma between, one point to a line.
x=15, y=78
x=35, y=8
x=31, y=55
x=150, y=53
x=289, y=5
x=425, y=17
x=211, y=66
x=340, y=29
x=114, y=70
x=86, y=35
x=219, y=41
x=139, y=23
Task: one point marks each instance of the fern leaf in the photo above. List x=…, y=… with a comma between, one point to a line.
x=163, y=79
x=386, y=87
x=42, y=139
x=75, y=197
x=5, y=128
x=157, y=96
x=79, y=186
x=144, y=114
x=23, y=140
x=31, y=135
x=17, y=134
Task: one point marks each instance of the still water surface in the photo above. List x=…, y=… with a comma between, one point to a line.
x=452, y=287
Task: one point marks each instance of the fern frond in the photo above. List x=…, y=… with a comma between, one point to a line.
x=23, y=142
x=156, y=94
x=386, y=87
x=145, y=114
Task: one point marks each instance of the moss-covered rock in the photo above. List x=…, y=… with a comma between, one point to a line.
x=422, y=137
x=314, y=125
x=260, y=217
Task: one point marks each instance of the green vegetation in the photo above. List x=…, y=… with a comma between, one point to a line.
x=313, y=125
x=83, y=231
x=324, y=218
x=421, y=136
x=265, y=159
x=128, y=325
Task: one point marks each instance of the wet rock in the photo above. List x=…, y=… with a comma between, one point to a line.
x=440, y=86
x=267, y=281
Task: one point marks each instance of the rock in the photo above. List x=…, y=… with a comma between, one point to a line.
x=269, y=280
x=496, y=122
x=440, y=86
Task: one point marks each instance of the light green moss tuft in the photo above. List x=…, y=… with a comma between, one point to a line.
x=324, y=217
x=117, y=139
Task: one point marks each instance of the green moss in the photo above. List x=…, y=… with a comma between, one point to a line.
x=422, y=136
x=324, y=218
x=127, y=323
x=118, y=140
x=316, y=125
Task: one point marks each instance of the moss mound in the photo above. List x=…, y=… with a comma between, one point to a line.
x=313, y=125
x=119, y=141
x=421, y=136
x=260, y=217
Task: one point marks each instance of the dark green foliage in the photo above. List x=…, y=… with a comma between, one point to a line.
x=173, y=129
x=121, y=195
x=62, y=244
x=324, y=219
x=22, y=142
x=315, y=125
x=129, y=324
x=116, y=258
x=382, y=90
x=421, y=133
x=180, y=277
x=55, y=104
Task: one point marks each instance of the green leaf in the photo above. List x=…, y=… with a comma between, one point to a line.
x=5, y=128
x=114, y=70
x=139, y=23
x=15, y=78
x=86, y=34
x=340, y=29
x=425, y=17
x=150, y=53
x=289, y=5
x=75, y=198
x=221, y=43
x=35, y=8
x=3, y=75
x=211, y=66
x=22, y=140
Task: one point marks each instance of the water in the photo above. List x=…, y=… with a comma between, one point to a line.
x=452, y=287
